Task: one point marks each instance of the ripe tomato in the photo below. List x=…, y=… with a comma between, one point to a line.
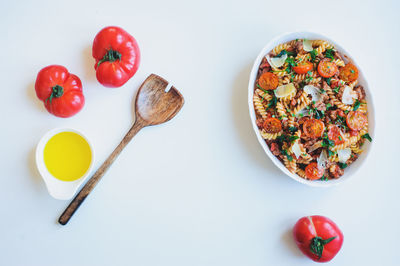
x=335, y=134
x=318, y=237
x=60, y=91
x=313, y=171
x=327, y=68
x=313, y=128
x=268, y=81
x=272, y=125
x=356, y=120
x=117, y=56
x=348, y=73
x=303, y=68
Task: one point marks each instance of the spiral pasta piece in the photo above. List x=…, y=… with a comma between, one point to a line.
x=264, y=95
x=339, y=62
x=355, y=147
x=300, y=77
x=259, y=106
x=290, y=165
x=279, y=48
x=269, y=136
x=351, y=139
x=301, y=106
x=335, y=101
x=301, y=173
x=281, y=110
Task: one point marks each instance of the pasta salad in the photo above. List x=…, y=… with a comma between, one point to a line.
x=310, y=109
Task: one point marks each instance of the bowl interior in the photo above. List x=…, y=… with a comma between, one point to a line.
x=371, y=122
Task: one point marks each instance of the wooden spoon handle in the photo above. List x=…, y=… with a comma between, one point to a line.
x=92, y=182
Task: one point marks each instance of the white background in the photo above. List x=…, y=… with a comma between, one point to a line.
x=198, y=190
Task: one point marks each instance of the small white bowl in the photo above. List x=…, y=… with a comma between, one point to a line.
x=350, y=170
x=62, y=190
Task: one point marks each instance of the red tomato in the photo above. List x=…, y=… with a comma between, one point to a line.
x=303, y=68
x=313, y=171
x=313, y=128
x=268, y=81
x=349, y=73
x=117, y=56
x=335, y=134
x=356, y=120
x=272, y=125
x=327, y=68
x=60, y=91
x=318, y=237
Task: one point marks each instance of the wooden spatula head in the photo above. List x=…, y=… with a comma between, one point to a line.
x=153, y=104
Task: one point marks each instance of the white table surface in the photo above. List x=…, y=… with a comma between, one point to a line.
x=198, y=190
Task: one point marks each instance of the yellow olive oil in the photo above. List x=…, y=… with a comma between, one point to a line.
x=67, y=156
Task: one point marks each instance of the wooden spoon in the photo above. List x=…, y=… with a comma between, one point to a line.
x=153, y=106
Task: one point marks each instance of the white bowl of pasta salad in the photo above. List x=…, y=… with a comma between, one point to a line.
x=311, y=108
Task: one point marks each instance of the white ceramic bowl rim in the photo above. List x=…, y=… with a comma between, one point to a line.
x=351, y=170
x=58, y=189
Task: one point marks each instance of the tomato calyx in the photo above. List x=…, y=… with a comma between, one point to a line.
x=111, y=56
x=317, y=245
x=56, y=92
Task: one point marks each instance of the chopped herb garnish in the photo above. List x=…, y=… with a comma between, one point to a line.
x=328, y=81
x=336, y=89
x=273, y=102
x=291, y=63
x=328, y=105
x=285, y=52
x=342, y=165
x=288, y=156
x=322, y=90
x=330, y=153
x=351, y=70
x=356, y=105
x=326, y=142
x=323, y=178
x=329, y=53
x=367, y=136
x=292, y=129
x=313, y=55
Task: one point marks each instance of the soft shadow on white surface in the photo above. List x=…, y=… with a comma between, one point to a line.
x=31, y=93
x=34, y=173
x=88, y=61
x=288, y=241
x=241, y=117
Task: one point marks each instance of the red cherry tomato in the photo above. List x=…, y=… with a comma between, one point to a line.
x=348, y=73
x=272, y=125
x=356, y=120
x=303, y=68
x=335, y=135
x=318, y=237
x=313, y=128
x=117, y=56
x=268, y=81
x=327, y=68
x=60, y=91
x=313, y=171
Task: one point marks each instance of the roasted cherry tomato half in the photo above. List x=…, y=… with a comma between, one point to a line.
x=348, y=73
x=272, y=125
x=335, y=135
x=268, y=81
x=327, y=68
x=313, y=171
x=303, y=68
x=313, y=128
x=356, y=120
